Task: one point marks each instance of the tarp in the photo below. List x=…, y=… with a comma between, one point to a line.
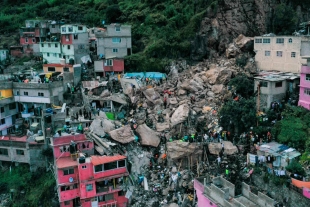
x=300, y=184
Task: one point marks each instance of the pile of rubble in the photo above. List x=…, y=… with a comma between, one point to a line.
x=161, y=130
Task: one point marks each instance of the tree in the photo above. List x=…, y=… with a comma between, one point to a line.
x=243, y=85
x=284, y=20
x=238, y=115
x=295, y=167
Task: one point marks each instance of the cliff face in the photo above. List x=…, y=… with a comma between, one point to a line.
x=229, y=18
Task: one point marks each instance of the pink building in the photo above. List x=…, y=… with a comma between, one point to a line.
x=87, y=180
x=218, y=192
x=304, y=93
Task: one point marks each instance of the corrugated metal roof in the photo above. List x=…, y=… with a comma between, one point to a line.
x=65, y=162
x=97, y=160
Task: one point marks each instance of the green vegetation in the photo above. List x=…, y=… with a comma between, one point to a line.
x=295, y=167
x=30, y=189
x=284, y=20
x=242, y=85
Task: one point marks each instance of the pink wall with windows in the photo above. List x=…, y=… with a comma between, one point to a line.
x=69, y=194
x=65, y=178
x=304, y=91
x=202, y=200
x=83, y=189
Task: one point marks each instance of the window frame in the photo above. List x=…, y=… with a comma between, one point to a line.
x=115, y=50
x=51, y=69
x=116, y=40
x=87, y=187
x=266, y=40
x=40, y=94
x=26, y=93
x=278, y=53
x=4, y=152
x=108, y=62
x=290, y=40
x=20, y=152
x=280, y=41
x=293, y=54
x=307, y=92
x=279, y=84
x=68, y=171
x=307, y=78
x=117, y=28
x=12, y=106
x=2, y=121
x=267, y=53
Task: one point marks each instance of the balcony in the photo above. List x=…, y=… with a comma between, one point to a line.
x=27, y=114
x=102, y=187
x=108, y=204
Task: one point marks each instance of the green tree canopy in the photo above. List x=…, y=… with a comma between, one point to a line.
x=284, y=20
x=243, y=85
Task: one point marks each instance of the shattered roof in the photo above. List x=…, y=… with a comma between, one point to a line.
x=93, y=84
x=276, y=76
x=276, y=149
x=97, y=160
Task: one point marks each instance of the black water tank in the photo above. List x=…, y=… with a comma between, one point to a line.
x=82, y=160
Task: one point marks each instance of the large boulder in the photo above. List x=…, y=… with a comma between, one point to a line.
x=229, y=148
x=244, y=43
x=152, y=96
x=123, y=134
x=232, y=51
x=105, y=93
x=211, y=75
x=148, y=137
x=188, y=86
x=102, y=126
x=217, y=88
x=180, y=114
x=178, y=149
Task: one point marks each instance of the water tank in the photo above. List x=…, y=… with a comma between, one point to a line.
x=82, y=160
x=62, y=61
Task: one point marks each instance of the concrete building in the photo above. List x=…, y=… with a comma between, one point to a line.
x=21, y=150
x=304, y=87
x=75, y=43
x=219, y=192
x=273, y=86
x=54, y=67
x=4, y=55
x=8, y=108
x=87, y=180
x=33, y=95
x=281, y=53
x=34, y=32
x=114, y=41
x=113, y=66
x=51, y=51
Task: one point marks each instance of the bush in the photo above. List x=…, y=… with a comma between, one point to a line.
x=295, y=167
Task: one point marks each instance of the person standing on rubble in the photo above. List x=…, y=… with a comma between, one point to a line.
x=218, y=160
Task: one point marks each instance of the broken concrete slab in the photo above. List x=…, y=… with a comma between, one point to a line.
x=229, y=148
x=180, y=114
x=123, y=135
x=101, y=126
x=153, y=96
x=148, y=137
x=218, y=88
x=178, y=149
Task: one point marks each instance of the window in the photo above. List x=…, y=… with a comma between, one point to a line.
x=279, y=53
x=279, y=84
x=114, y=50
x=70, y=29
x=121, y=193
x=40, y=94
x=84, y=166
x=293, y=54
x=4, y=151
x=109, y=197
x=66, y=69
x=20, y=152
x=17, y=93
x=108, y=62
x=98, y=168
x=67, y=37
x=116, y=40
x=68, y=47
x=280, y=40
x=307, y=92
x=42, y=45
x=63, y=29
x=2, y=109
x=49, y=44
x=81, y=46
x=80, y=28
x=2, y=121
x=33, y=40
x=25, y=93
x=59, y=55
x=258, y=40
x=47, y=54
x=308, y=77
x=267, y=53
x=56, y=45
x=12, y=106
x=76, y=36
x=266, y=40
x=110, y=166
x=89, y=187
x=68, y=171
x=67, y=203
x=290, y=40
x=121, y=163
x=118, y=29
x=26, y=39
x=51, y=69
x=55, y=54
x=70, y=187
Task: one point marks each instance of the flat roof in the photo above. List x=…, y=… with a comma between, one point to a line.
x=97, y=160
x=276, y=76
x=65, y=162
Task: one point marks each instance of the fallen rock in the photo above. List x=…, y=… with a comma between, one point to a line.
x=210, y=94
x=232, y=51
x=123, y=134
x=148, y=137
x=101, y=126
x=162, y=126
x=178, y=149
x=245, y=44
x=173, y=101
x=211, y=75
x=229, y=148
x=105, y=93
x=180, y=114
x=217, y=88
x=152, y=96
x=181, y=92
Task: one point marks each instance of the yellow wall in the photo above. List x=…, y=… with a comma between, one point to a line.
x=57, y=69
x=6, y=93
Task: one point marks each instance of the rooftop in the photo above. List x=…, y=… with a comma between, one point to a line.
x=276, y=149
x=276, y=76
x=64, y=162
x=18, y=139
x=97, y=160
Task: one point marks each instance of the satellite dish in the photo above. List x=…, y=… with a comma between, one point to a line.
x=103, y=22
x=71, y=179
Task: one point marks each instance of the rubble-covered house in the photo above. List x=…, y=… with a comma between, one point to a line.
x=218, y=192
x=273, y=86
x=304, y=87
